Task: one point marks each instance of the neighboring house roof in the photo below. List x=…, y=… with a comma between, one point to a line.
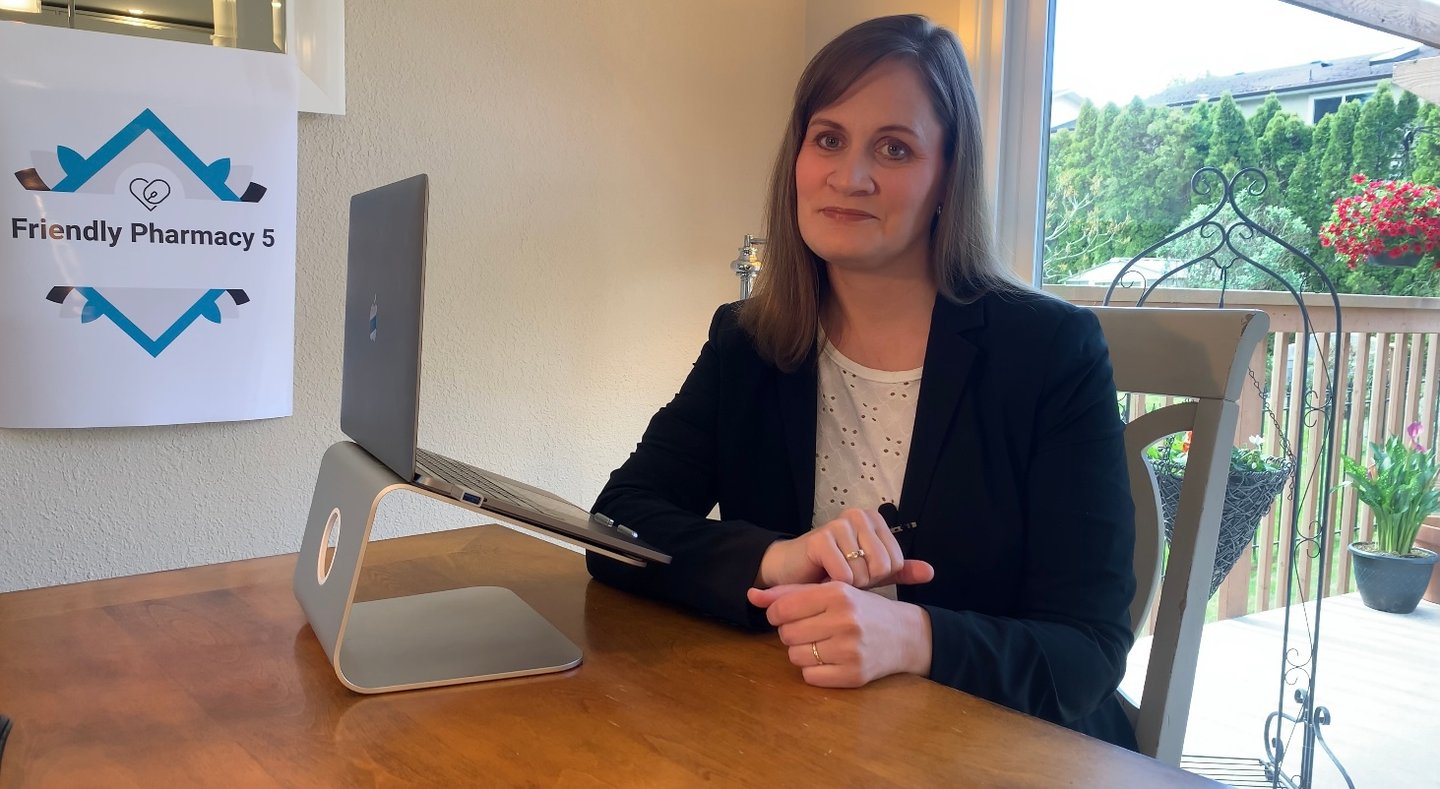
x=1144, y=272
x=1308, y=77
x=1065, y=108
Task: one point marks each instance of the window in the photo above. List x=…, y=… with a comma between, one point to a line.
x=247, y=24
x=1131, y=125
x=1320, y=107
x=313, y=30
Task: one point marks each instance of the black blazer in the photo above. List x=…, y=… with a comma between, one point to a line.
x=1016, y=476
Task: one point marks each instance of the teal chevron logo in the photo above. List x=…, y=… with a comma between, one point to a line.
x=91, y=306
x=79, y=169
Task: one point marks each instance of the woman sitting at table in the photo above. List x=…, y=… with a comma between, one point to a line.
x=887, y=358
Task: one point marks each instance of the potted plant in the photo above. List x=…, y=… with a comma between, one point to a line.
x=1251, y=486
x=1387, y=223
x=1399, y=489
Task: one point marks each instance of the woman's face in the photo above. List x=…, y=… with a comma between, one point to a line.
x=869, y=174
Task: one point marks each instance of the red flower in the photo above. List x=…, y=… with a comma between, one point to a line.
x=1384, y=217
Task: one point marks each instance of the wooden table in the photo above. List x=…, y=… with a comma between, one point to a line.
x=211, y=676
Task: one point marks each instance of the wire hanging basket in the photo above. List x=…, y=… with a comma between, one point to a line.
x=1249, y=495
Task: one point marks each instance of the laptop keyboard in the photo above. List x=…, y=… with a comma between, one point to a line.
x=470, y=477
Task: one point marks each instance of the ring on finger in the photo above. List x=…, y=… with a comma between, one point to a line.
x=815, y=650
x=858, y=553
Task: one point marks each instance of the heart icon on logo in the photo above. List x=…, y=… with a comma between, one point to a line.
x=150, y=193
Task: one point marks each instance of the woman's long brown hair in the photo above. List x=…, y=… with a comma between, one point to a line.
x=783, y=314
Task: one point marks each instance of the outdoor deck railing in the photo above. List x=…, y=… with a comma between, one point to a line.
x=1391, y=370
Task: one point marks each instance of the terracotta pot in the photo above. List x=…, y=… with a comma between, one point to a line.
x=1429, y=538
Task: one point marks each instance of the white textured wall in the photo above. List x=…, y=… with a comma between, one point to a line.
x=594, y=165
x=826, y=19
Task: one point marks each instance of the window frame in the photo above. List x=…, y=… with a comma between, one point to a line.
x=1012, y=67
x=1342, y=95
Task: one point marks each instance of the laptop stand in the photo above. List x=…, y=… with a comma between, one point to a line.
x=417, y=641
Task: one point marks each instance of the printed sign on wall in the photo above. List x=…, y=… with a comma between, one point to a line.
x=147, y=255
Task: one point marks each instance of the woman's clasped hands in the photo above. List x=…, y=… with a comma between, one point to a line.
x=814, y=589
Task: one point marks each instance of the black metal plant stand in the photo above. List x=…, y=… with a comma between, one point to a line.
x=1301, y=720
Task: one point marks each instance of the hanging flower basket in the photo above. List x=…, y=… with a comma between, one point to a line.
x=1387, y=223
x=1248, y=496
x=1402, y=260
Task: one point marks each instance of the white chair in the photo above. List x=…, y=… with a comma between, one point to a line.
x=1194, y=353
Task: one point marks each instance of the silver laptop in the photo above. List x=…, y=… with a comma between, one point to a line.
x=380, y=394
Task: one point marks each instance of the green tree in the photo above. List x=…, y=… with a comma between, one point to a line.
x=1377, y=141
x=1302, y=194
x=1337, y=164
x=1232, y=146
x=1119, y=180
x=1336, y=167
x=1120, y=160
x=1079, y=154
x=1407, y=106
x=1201, y=127
x=1075, y=235
x=1175, y=160
x=1211, y=265
x=1284, y=143
x=1385, y=281
x=1072, y=233
x=1128, y=171
x=1108, y=115
x=1425, y=151
x=1261, y=119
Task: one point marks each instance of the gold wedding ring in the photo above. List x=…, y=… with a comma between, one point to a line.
x=815, y=650
x=858, y=553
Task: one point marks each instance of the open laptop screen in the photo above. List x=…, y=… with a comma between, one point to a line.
x=384, y=292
